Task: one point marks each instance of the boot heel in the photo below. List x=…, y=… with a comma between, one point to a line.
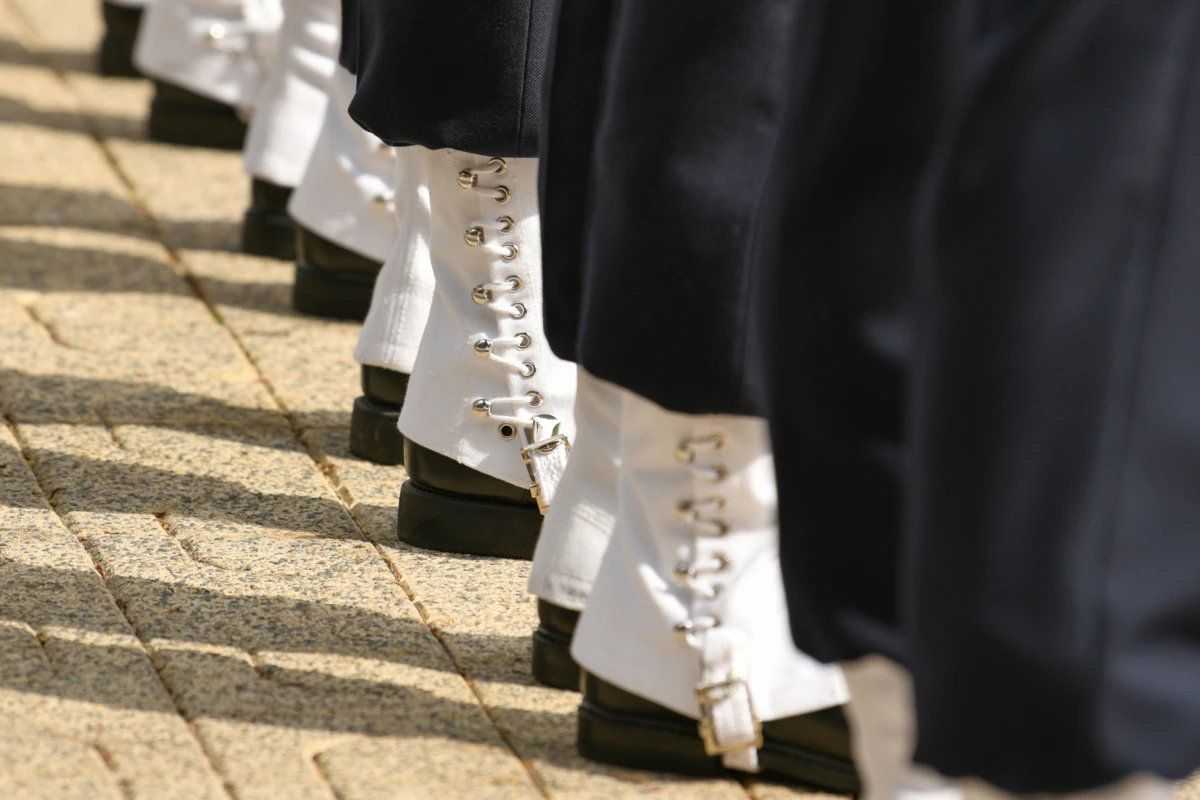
x=335, y=294
x=374, y=434
x=552, y=662
x=433, y=520
x=625, y=740
x=269, y=235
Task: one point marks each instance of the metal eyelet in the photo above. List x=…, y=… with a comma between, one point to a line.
x=467, y=179
x=722, y=560
x=524, y=341
x=684, y=572
x=722, y=527
x=474, y=236
x=528, y=369
x=719, y=473
x=509, y=225
x=510, y=253
x=483, y=348
x=500, y=165
x=519, y=311
x=535, y=399
x=515, y=284
x=686, y=509
x=482, y=408
x=481, y=295
x=505, y=195
x=684, y=629
x=507, y=430
x=381, y=200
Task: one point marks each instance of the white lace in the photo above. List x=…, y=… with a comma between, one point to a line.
x=499, y=297
x=701, y=515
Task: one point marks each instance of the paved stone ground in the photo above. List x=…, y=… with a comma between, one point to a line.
x=201, y=595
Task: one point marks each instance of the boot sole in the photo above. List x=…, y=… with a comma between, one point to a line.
x=627, y=740
x=332, y=293
x=269, y=235
x=374, y=434
x=552, y=662
x=434, y=520
x=178, y=123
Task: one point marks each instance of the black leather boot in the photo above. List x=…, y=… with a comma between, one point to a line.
x=267, y=230
x=179, y=116
x=331, y=281
x=620, y=728
x=552, y=662
x=121, y=23
x=373, y=432
x=450, y=507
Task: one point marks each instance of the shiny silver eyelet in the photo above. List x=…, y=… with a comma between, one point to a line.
x=467, y=179
x=483, y=348
x=509, y=225
x=684, y=572
x=510, y=252
x=482, y=408
x=474, y=236
x=481, y=295
x=524, y=341
x=519, y=311
x=535, y=399
x=505, y=195
x=515, y=284
x=684, y=629
x=528, y=369
x=507, y=430
x=499, y=165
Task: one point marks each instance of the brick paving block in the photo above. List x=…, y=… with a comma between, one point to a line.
x=196, y=195
x=77, y=275
x=75, y=683
x=37, y=765
x=60, y=178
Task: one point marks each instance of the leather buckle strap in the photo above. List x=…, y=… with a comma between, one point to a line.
x=545, y=458
x=713, y=698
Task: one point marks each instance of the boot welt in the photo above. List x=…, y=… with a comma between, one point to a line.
x=269, y=234
x=332, y=293
x=373, y=432
x=630, y=740
x=552, y=662
x=435, y=520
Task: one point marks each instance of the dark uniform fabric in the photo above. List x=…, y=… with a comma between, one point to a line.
x=463, y=74
x=983, y=375
x=348, y=45
x=659, y=125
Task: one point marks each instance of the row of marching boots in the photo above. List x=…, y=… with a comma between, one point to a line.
x=940, y=246
x=653, y=533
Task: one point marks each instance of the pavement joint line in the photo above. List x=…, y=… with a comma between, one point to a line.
x=143, y=646
x=179, y=265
